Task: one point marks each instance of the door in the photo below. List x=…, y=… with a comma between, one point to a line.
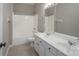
x=0, y=33
x=1, y=6
x=4, y=26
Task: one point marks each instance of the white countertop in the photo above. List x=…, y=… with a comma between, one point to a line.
x=60, y=43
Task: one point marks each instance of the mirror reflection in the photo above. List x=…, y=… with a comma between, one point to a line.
x=49, y=18
x=62, y=18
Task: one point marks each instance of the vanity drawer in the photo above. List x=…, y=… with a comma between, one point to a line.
x=52, y=51
x=36, y=47
x=56, y=52
x=48, y=49
x=39, y=47
x=38, y=40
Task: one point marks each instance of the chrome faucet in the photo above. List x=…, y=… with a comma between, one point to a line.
x=71, y=43
x=48, y=34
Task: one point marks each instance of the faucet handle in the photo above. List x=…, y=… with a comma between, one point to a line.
x=71, y=42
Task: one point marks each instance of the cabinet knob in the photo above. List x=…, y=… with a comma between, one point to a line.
x=33, y=42
x=40, y=41
x=49, y=49
x=38, y=44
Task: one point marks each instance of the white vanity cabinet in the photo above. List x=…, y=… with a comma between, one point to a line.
x=48, y=51
x=38, y=46
x=43, y=48
x=52, y=51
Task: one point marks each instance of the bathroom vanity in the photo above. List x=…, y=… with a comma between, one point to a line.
x=54, y=45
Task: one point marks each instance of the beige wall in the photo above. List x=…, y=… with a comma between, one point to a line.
x=23, y=9
x=41, y=19
x=69, y=13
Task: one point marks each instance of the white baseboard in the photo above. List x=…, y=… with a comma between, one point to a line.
x=8, y=50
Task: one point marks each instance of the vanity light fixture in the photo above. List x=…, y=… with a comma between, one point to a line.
x=47, y=5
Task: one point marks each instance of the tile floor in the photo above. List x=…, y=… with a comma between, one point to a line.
x=22, y=50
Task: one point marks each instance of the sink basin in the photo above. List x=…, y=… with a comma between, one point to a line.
x=64, y=45
x=74, y=50
x=70, y=49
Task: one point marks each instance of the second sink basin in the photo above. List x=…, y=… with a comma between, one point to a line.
x=70, y=49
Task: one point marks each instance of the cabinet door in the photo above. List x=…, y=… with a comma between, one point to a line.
x=36, y=47
x=52, y=51
x=47, y=49
x=48, y=53
x=41, y=50
x=39, y=47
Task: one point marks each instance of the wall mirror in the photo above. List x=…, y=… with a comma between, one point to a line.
x=62, y=18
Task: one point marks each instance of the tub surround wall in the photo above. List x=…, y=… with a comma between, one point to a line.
x=22, y=28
